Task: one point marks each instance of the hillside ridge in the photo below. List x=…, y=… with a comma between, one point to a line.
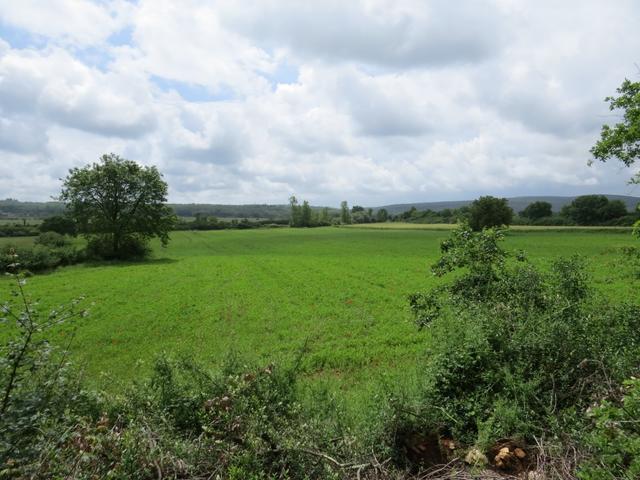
x=16, y=209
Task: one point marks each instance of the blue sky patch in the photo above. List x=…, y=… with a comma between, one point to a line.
x=19, y=38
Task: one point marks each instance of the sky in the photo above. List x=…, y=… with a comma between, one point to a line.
x=370, y=101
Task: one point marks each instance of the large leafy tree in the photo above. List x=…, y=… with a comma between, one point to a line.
x=118, y=205
x=488, y=211
x=622, y=140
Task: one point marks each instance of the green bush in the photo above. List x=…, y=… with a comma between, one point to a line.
x=37, y=385
x=187, y=422
x=52, y=239
x=615, y=439
x=516, y=350
x=131, y=248
x=40, y=256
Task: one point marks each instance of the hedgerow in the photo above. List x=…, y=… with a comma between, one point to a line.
x=517, y=351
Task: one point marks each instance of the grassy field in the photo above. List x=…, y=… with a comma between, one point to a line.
x=20, y=221
x=517, y=228
x=267, y=293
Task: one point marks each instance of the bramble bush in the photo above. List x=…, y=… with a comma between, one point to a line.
x=37, y=386
x=615, y=438
x=518, y=352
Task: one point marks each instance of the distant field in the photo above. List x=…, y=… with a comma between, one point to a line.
x=20, y=221
x=266, y=293
x=17, y=241
x=450, y=226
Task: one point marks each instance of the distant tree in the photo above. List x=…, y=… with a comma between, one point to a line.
x=537, y=210
x=622, y=141
x=305, y=215
x=488, y=211
x=382, y=215
x=593, y=210
x=447, y=215
x=356, y=209
x=614, y=209
x=59, y=224
x=324, y=218
x=345, y=216
x=295, y=219
x=118, y=206
x=409, y=214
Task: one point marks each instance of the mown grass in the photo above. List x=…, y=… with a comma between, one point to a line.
x=340, y=293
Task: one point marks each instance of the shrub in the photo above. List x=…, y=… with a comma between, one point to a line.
x=615, y=439
x=130, y=248
x=516, y=351
x=36, y=385
x=487, y=212
x=40, y=257
x=59, y=224
x=52, y=239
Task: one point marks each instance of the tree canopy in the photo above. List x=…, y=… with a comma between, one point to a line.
x=594, y=210
x=622, y=140
x=537, y=210
x=488, y=211
x=59, y=224
x=118, y=205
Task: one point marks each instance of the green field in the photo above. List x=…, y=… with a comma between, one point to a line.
x=266, y=293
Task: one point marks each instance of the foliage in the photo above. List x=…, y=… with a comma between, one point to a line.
x=622, y=141
x=594, y=210
x=49, y=251
x=537, y=210
x=59, y=224
x=184, y=421
x=345, y=215
x=517, y=351
x=18, y=230
x=118, y=205
x=382, y=215
x=488, y=211
x=202, y=222
x=304, y=216
x=615, y=439
x=52, y=239
x=35, y=385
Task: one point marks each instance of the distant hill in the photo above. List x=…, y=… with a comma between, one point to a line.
x=11, y=208
x=517, y=203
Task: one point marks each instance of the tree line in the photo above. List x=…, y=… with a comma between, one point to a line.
x=585, y=210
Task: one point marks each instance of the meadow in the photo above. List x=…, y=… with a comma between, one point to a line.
x=337, y=294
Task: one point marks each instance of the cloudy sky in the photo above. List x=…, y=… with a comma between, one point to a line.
x=371, y=101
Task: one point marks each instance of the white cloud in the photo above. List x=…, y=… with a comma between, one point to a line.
x=52, y=84
x=74, y=22
x=370, y=101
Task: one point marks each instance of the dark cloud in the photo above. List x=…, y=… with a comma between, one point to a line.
x=400, y=35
